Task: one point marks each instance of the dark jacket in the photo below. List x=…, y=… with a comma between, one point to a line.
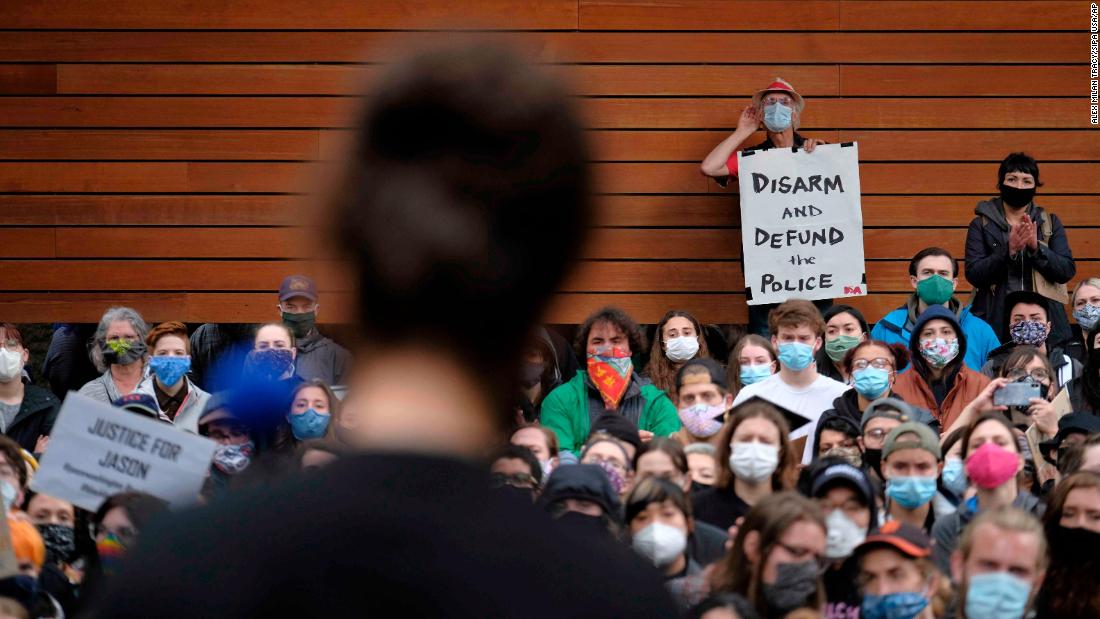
x=1065, y=367
x=35, y=417
x=846, y=407
x=994, y=274
x=320, y=357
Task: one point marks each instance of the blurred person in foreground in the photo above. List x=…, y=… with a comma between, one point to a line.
x=464, y=202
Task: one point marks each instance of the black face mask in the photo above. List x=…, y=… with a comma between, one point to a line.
x=60, y=542
x=1016, y=197
x=583, y=524
x=1074, y=546
x=873, y=459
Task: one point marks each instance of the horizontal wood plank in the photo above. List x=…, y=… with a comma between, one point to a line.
x=613, y=113
x=647, y=178
x=961, y=81
x=154, y=210
x=141, y=144
x=28, y=79
x=292, y=14
x=257, y=307
x=961, y=15
x=708, y=15
x=603, y=47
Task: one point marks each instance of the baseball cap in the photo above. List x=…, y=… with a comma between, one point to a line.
x=891, y=408
x=901, y=536
x=692, y=372
x=842, y=472
x=926, y=439
x=297, y=286
x=140, y=403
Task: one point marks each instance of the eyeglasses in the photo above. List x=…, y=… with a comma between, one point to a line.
x=1038, y=374
x=785, y=100
x=615, y=464
x=516, y=480
x=876, y=436
x=880, y=363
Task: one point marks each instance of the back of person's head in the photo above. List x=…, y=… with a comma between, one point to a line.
x=796, y=313
x=1018, y=162
x=464, y=201
x=764, y=526
x=616, y=318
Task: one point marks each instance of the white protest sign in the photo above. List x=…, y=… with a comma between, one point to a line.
x=97, y=450
x=802, y=223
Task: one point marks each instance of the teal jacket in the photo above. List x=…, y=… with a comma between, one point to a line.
x=565, y=411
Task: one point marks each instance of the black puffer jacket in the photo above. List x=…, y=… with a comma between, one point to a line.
x=35, y=417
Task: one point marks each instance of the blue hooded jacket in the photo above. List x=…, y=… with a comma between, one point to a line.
x=897, y=328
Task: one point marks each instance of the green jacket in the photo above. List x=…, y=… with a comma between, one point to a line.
x=565, y=411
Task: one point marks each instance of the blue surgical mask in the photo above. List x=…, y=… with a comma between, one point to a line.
x=755, y=373
x=169, y=369
x=954, y=476
x=1087, y=316
x=309, y=424
x=911, y=492
x=996, y=595
x=871, y=382
x=777, y=117
x=796, y=356
x=905, y=605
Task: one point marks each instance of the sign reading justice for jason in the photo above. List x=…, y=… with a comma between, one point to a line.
x=802, y=223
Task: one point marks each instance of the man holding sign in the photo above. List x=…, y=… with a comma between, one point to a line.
x=97, y=451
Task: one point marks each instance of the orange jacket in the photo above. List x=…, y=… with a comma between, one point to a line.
x=915, y=390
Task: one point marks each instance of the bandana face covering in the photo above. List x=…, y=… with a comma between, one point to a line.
x=1029, y=332
x=270, y=363
x=610, y=370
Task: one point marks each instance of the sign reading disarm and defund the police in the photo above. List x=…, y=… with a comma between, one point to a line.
x=96, y=450
x=802, y=223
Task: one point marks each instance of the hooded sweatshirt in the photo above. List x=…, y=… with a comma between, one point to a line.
x=320, y=357
x=959, y=386
x=897, y=327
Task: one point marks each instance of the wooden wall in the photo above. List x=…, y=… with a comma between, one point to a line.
x=154, y=152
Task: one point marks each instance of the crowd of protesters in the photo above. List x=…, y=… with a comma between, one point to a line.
x=826, y=466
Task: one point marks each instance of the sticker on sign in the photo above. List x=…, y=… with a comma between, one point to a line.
x=97, y=450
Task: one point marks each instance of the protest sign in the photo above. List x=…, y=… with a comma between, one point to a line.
x=97, y=450
x=802, y=223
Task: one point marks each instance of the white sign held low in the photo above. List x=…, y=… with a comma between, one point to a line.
x=802, y=223
x=97, y=450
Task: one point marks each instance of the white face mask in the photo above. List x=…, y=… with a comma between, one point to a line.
x=754, y=462
x=547, y=468
x=681, y=348
x=843, y=535
x=11, y=365
x=7, y=494
x=660, y=543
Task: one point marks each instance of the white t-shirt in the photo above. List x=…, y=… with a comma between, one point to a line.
x=809, y=402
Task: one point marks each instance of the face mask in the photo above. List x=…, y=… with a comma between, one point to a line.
x=122, y=351
x=1072, y=546
x=8, y=493
x=11, y=365
x=850, y=455
x=60, y=542
x=660, y=543
x=911, y=492
x=754, y=462
x=870, y=382
x=935, y=290
x=583, y=523
x=1016, y=197
x=609, y=370
x=836, y=349
x=531, y=374
x=1087, y=316
x=991, y=465
x=873, y=458
x=777, y=117
x=300, y=324
x=702, y=420
x=755, y=373
x=547, y=468
x=939, y=352
x=111, y=551
x=843, y=535
x=232, y=459
x=893, y=606
x=618, y=482
x=796, y=356
x=794, y=583
x=169, y=370
x=996, y=595
x=679, y=349
x=1029, y=332
x=954, y=476
x=269, y=364
x=309, y=424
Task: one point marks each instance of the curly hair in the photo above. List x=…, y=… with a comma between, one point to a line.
x=613, y=316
